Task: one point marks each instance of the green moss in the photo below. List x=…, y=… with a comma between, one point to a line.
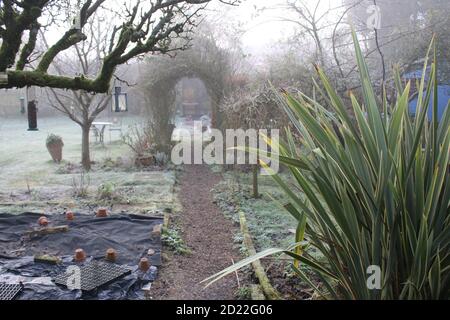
x=21, y=79
x=244, y=293
x=172, y=240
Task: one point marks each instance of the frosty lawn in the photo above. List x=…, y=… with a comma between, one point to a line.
x=31, y=181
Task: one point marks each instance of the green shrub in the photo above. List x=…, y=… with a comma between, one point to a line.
x=106, y=191
x=373, y=192
x=172, y=239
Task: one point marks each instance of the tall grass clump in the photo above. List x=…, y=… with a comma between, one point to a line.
x=372, y=191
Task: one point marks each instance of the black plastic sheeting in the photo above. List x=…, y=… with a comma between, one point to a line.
x=130, y=235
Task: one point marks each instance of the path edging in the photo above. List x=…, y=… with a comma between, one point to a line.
x=268, y=290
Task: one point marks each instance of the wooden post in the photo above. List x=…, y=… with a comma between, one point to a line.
x=46, y=231
x=255, y=169
x=264, y=281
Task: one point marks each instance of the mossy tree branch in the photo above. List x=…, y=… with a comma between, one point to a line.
x=15, y=18
x=28, y=48
x=71, y=37
x=144, y=29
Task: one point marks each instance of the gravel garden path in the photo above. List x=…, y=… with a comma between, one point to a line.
x=208, y=234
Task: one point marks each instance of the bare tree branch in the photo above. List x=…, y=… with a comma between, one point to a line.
x=146, y=27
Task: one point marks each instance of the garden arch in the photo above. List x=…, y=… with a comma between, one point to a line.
x=192, y=98
x=205, y=61
x=163, y=73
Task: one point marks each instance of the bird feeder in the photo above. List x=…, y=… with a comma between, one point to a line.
x=22, y=105
x=32, y=109
x=120, y=101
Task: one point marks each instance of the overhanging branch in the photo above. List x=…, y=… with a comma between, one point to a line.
x=20, y=79
x=137, y=35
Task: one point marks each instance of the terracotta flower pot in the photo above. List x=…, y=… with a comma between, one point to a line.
x=144, y=264
x=70, y=215
x=80, y=255
x=43, y=221
x=55, y=150
x=102, y=213
x=145, y=161
x=111, y=255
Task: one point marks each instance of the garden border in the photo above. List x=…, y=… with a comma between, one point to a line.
x=263, y=279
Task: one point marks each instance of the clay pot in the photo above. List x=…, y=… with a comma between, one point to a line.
x=55, y=150
x=144, y=264
x=43, y=221
x=145, y=161
x=111, y=255
x=102, y=213
x=80, y=255
x=70, y=215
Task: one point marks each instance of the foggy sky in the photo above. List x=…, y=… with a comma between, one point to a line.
x=262, y=28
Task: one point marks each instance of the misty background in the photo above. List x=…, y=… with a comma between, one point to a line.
x=280, y=40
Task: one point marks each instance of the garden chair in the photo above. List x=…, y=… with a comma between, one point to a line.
x=95, y=132
x=116, y=126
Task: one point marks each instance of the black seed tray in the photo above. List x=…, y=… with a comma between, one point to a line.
x=95, y=275
x=9, y=291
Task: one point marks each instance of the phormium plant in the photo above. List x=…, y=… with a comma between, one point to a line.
x=373, y=193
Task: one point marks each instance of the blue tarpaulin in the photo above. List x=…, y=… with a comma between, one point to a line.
x=416, y=75
x=443, y=100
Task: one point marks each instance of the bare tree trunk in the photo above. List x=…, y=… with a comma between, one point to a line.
x=85, y=151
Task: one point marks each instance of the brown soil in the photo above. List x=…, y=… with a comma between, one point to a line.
x=208, y=234
x=290, y=288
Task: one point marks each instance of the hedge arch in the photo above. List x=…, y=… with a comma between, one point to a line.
x=206, y=61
